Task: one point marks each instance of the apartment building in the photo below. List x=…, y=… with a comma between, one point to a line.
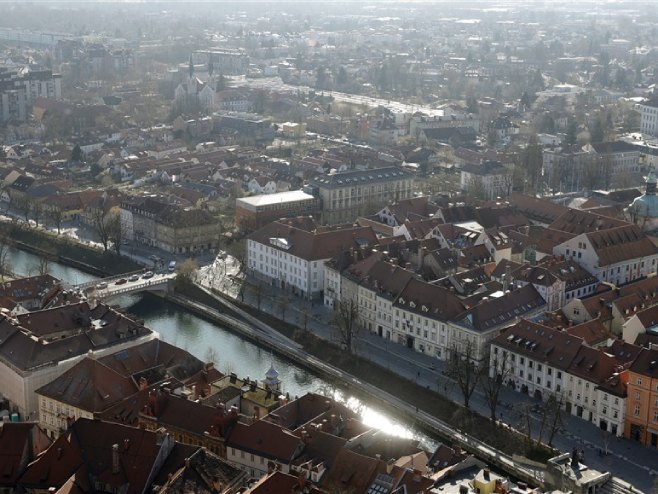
x=169, y=226
x=291, y=253
x=347, y=195
x=589, y=383
x=642, y=403
x=40, y=346
x=487, y=180
x=648, y=117
x=617, y=255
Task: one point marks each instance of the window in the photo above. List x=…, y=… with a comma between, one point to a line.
x=550, y=371
x=637, y=395
x=636, y=411
x=559, y=374
x=639, y=381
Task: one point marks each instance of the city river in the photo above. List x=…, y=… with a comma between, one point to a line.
x=209, y=341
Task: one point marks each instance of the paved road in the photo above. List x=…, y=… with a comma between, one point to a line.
x=626, y=459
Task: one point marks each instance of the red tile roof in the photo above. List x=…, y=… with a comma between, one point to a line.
x=551, y=346
x=265, y=439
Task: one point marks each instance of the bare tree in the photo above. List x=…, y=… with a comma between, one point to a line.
x=492, y=385
x=186, y=272
x=114, y=231
x=107, y=224
x=344, y=322
x=555, y=411
x=24, y=206
x=56, y=215
x=306, y=318
x=37, y=212
x=43, y=266
x=4, y=262
x=100, y=224
x=258, y=293
x=463, y=369
x=284, y=303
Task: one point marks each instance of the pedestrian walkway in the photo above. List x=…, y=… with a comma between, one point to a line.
x=625, y=459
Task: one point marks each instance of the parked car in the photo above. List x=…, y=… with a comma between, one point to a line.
x=101, y=286
x=133, y=278
x=147, y=275
x=121, y=281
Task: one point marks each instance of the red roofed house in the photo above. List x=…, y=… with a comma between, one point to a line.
x=291, y=253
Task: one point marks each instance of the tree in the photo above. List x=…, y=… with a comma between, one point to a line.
x=491, y=385
x=114, y=232
x=597, y=132
x=77, y=156
x=341, y=78
x=321, y=78
x=42, y=267
x=284, y=303
x=532, y=161
x=4, y=261
x=258, y=293
x=37, y=212
x=552, y=417
x=105, y=223
x=463, y=369
x=56, y=215
x=571, y=137
x=24, y=205
x=186, y=273
x=345, y=323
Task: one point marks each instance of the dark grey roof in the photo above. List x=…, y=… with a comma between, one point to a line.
x=345, y=179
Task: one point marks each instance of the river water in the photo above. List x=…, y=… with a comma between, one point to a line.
x=212, y=342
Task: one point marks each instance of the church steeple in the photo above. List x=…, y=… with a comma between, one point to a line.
x=651, y=182
x=211, y=67
x=191, y=67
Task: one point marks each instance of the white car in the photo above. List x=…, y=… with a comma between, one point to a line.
x=147, y=275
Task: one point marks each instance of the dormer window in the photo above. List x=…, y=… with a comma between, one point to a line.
x=412, y=305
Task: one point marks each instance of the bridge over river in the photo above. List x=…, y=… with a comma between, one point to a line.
x=127, y=283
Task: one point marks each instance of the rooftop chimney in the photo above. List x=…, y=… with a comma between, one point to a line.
x=115, y=459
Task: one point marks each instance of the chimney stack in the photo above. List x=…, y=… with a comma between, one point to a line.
x=115, y=459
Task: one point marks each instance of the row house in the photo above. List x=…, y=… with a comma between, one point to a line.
x=617, y=255
x=291, y=253
x=643, y=321
x=589, y=383
x=476, y=327
x=421, y=315
x=615, y=306
x=596, y=390
x=558, y=281
x=262, y=447
x=642, y=403
x=374, y=284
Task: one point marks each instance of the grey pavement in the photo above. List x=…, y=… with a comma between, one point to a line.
x=625, y=459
